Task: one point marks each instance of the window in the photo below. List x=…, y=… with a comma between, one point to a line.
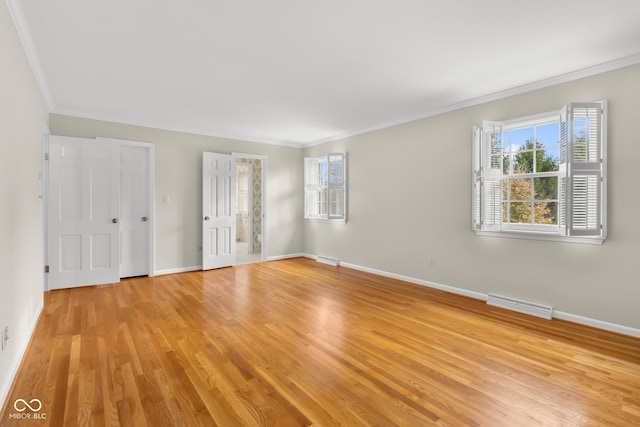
x=325, y=187
x=542, y=176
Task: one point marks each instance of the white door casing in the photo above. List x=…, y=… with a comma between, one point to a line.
x=134, y=211
x=84, y=204
x=218, y=210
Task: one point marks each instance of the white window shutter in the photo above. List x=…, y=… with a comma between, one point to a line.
x=585, y=207
x=585, y=169
x=476, y=178
x=491, y=159
x=487, y=177
x=337, y=186
x=563, y=169
x=581, y=203
x=336, y=169
x=311, y=193
x=325, y=187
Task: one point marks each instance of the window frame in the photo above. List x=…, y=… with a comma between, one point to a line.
x=318, y=189
x=488, y=177
x=531, y=122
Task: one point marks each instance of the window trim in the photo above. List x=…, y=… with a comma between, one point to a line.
x=486, y=181
x=310, y=188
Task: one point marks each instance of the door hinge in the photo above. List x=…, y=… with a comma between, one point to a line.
x=46, y=156
x=46, y=268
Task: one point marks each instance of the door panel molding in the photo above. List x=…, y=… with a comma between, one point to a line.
x=83, y=199
x=75, y=256
x=149, y=220
x=218, y=210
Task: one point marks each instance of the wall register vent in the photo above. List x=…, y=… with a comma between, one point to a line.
x=327, y=260
x=538, y=310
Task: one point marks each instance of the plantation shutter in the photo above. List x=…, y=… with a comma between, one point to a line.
x=325, y=187
x=584, y=123
x=581, y=203
x=311, y=190
x=563, y=169
x=490, y=176
x=476, y=201
x=337, y=186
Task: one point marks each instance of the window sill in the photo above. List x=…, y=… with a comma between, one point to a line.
x=542, y=236
x=325, y=220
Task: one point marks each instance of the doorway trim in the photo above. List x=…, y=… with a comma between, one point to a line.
x=44, y=182
x=263, y=226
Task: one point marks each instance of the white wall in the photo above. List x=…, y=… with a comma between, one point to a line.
x=178, y=172
x=410, y=198
x=22, y=117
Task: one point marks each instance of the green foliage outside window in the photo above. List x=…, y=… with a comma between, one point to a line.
x=530, y=200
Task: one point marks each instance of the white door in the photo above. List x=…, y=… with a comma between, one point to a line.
x=218, y=210
x=83, y=223
x=134, y=211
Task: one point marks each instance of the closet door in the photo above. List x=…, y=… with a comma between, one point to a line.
x=135, y=215
x=84, y=204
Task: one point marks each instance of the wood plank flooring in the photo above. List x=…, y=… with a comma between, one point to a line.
x=295, y=342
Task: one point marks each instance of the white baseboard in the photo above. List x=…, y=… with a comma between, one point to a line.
x=288, y=256
x=199, y=267
x=453, y=290
x=4, y=390
x=600, y=324
x=177, y=270
x=561, y=315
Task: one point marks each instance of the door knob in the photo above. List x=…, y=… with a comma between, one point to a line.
x=114, y=220
x=144, y=219
x=206, y=218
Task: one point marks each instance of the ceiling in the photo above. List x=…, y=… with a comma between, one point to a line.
x=306, y=71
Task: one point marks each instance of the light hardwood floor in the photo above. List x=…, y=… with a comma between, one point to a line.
x=295, y=342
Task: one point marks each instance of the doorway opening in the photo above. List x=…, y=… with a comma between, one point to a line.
x=249, y=209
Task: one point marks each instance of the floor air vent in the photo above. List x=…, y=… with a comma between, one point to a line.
x=327, y=260
x=525, y=307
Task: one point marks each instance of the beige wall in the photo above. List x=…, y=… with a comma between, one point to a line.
x=23, y=116
x=410, y=198
x=178, y=174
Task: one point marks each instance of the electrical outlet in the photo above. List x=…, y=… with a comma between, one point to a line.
x=5, y=337
x=430, y=261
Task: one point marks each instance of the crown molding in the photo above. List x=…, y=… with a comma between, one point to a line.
x=15, y=11
x=541, y=84
x=163, y=126
x=530, y=87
